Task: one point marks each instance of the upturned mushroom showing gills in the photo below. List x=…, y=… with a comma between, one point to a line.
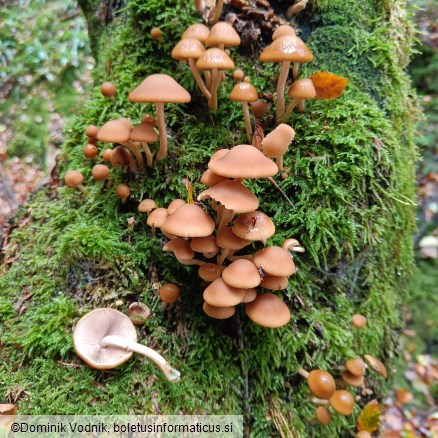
x=160, y=89
x=106, y=338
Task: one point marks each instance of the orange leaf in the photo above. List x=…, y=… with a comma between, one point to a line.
x=328, y=85
x=369, y=419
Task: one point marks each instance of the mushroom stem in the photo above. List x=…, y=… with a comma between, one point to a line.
x=292, y=245
x=216, y=13
x=149, y=155
x=117, y=341
x=207, y=78
x=301, y=105
x=246, y=257
x=281, y=84
x=161, y=124
x=279, y=162
x=226, y=252
x=136, y=151
x=214, y=87
x=82, y=189
x=247, y=121
x=319, y=401
x=198, y=79
x=291, y=106
x=296, y=69
x=303, y=372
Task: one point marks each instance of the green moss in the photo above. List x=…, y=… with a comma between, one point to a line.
x=350, y=179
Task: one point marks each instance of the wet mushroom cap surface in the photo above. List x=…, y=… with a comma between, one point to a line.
x=268, y=310
x=95, y=326
x=321, y=384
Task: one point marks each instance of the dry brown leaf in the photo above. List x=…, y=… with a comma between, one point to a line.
x=258, y=135
x=328, y=85
x=370, y=417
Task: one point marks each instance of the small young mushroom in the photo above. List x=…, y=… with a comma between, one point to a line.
x=108, y=89
x=157, y=34
x=355, y=366
x=244, y=93
x=275, y=144
x=123, y=192
x=100, y=172
x=200, y=6
x=73, y=179
x=323, y=415
x=147, y=206
x=209, y=272
x=259, y=108
x=145, y=134
x=359, y=321
x=106, y=338
x=206, y=245
x=160, y=89
x=223, y=35
x=376, y=365
x=238, y=75
x=106, y=155
x=351, y=379
x=138, y=313
x=199, y=31
x=91, y=131
x=90, y=150
x=156, y=218
x=321, y=383
x=169, y=293
x=342, y=402
x=300, y=91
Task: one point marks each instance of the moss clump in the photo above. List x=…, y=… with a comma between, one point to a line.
x=350, y=180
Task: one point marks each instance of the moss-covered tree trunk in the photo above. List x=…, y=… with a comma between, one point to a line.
x=350, y=178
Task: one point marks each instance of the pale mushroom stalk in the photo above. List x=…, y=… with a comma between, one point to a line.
x=215, y=15
x=245, y=256
x=198, y=79
x=303, y=372
x=295, y=102
x=295, y=70
x=161, y=124
x=207, y=79
x=292, y=245
x=227, y=217
x=82, y=189
x=135, y=150
x=117, y=341
x=191, y=262
x=247, y=121
x=226, y=252
x=149, y=155
x=279, y=162
x=281, y=84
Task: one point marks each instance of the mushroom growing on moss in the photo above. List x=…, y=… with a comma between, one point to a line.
x=268, y=310
x=321, y=383
x=160, y=89
x=106, y=338
x=169, y=293
x=123, y=192
x=73, y=179
x=244, y=93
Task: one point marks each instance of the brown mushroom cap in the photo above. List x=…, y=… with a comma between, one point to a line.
x=188, y=48
x=123, y=191
x=169, y=293
x=233, y=195
x=144, y=132
x=159, y=88
x=238, y=74
x=283, y=30
x=321, y=384
x=323, y=415
x=253, y=226
x=73, y=178
x=198, y=31
x=114, y=131
x=219, y=312
x=355, y=366
x=243, y=92
x=223, y=33
x=91, y=131
x=259, y=108
x=189, y=221
x=138, y=312
x=286, y=48
x=215, y=58
x=95, y=326
x=250, y=295
x=210, y=179
x=225, y=238
x=180, y=247
x=106, y=154
x=100, y=172
x=376, y=365
x=243, y=161
x=241, y=274
x=126, y=122
x=359, y=321
x=220, y=294
x=273, y=282
x=351, y=379
x=174, y=205
x=146, y=206
x=219, y=154
x=342, y=402
x=156, y=33
x=209, y=271
x=274, y=261
x=275, y=144
x=268, y=310
x=205, y=244
x=302, y=89
x=157, y=217
x=90, y=150
x=108, y=89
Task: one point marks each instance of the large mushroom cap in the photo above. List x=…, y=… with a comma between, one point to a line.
x=233, y=195
x=189, y=221
x=243, y=92
x=342, y=402
x=95, y=326
x=268, y=310
x=275, y=144
x=321, y=384
x=215, y=58
x=73, y=178
x=243, y=161
x=219, y=312
x=287, y=48
x=114, y=131
x=159, y=88
x=227, y=239
x=254, y=226
x=241, y=274
x=198, y=31
x=144, y=132
x=219, y=294
x=302, y=89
